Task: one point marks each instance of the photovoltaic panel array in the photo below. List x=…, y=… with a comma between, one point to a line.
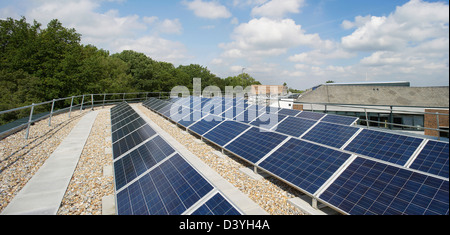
x=433, y=159
x=217, y=205
x=294, y=126
x=396, y=149
x=304, y=165
x=318, y=154
x=367, y=187
x=330, y=134
x=152, y=178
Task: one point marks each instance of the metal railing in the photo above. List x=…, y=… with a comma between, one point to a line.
x=81, y=102
x=382, y=109
x=68, y=105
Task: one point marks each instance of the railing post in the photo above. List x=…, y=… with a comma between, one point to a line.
x=29, y=122
x=367, y=119
x=123, y=98
x=391, y=119
x=51, y=113
x=71, y=105
x=82, y=101
x=104, y=97
x=92, y=102
x=437, y=126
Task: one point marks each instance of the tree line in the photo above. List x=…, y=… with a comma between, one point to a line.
x=40, y=64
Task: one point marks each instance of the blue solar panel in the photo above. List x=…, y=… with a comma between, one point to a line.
x=305, y=165
x=131, y=140
x=225, y=132
x=140, y=160
x=344, y=120
x=330, y=134
x=370, y=188
x=169, y=189
x=294, y=126
x=191, y=119
x=127, y=129
x=119, y=123
x=255, y=144
x=267, y=121
x=247, y=116
x=217, y=205
x=311, y=115
x=433, y=159
x=289, y=112
x=388, y=147
x=205, y=125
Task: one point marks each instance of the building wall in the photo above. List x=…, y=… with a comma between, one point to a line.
x=431, y=121
x=379, y=95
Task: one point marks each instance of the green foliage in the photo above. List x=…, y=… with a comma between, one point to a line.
x=38, y=65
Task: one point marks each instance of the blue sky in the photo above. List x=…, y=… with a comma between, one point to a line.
x=301, y=42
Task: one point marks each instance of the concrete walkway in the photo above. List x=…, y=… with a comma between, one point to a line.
x=43, y=194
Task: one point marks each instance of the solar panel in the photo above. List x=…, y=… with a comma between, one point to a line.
x=120, y=133
x=311, y=115
x=217, y=205
x=268, y=120
x=169, y=189
x=123, y=122
x=367, y=187
x=305, y=165
x=192, y=118
x=205, y=125
x=247, y=116
x=140, y=160
x=289, y=112
x=131, y=140
x=433, y=159
x=344, y=120
x=225, y=132
x=388, y=147
x=330, y=134
x=294, y=126
x=254, y=144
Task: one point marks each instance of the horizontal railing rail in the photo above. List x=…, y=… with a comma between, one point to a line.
x=79, y=102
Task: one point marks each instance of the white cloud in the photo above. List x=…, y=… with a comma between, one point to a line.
x=155, y=47
x=268, y=37
x=414, y=22
x=209, y=10
x=278, y=8
x=165, y=26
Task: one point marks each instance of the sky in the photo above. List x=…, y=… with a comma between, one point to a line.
x=303, y=43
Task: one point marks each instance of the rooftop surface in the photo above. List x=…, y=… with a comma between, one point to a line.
x=21, y=160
